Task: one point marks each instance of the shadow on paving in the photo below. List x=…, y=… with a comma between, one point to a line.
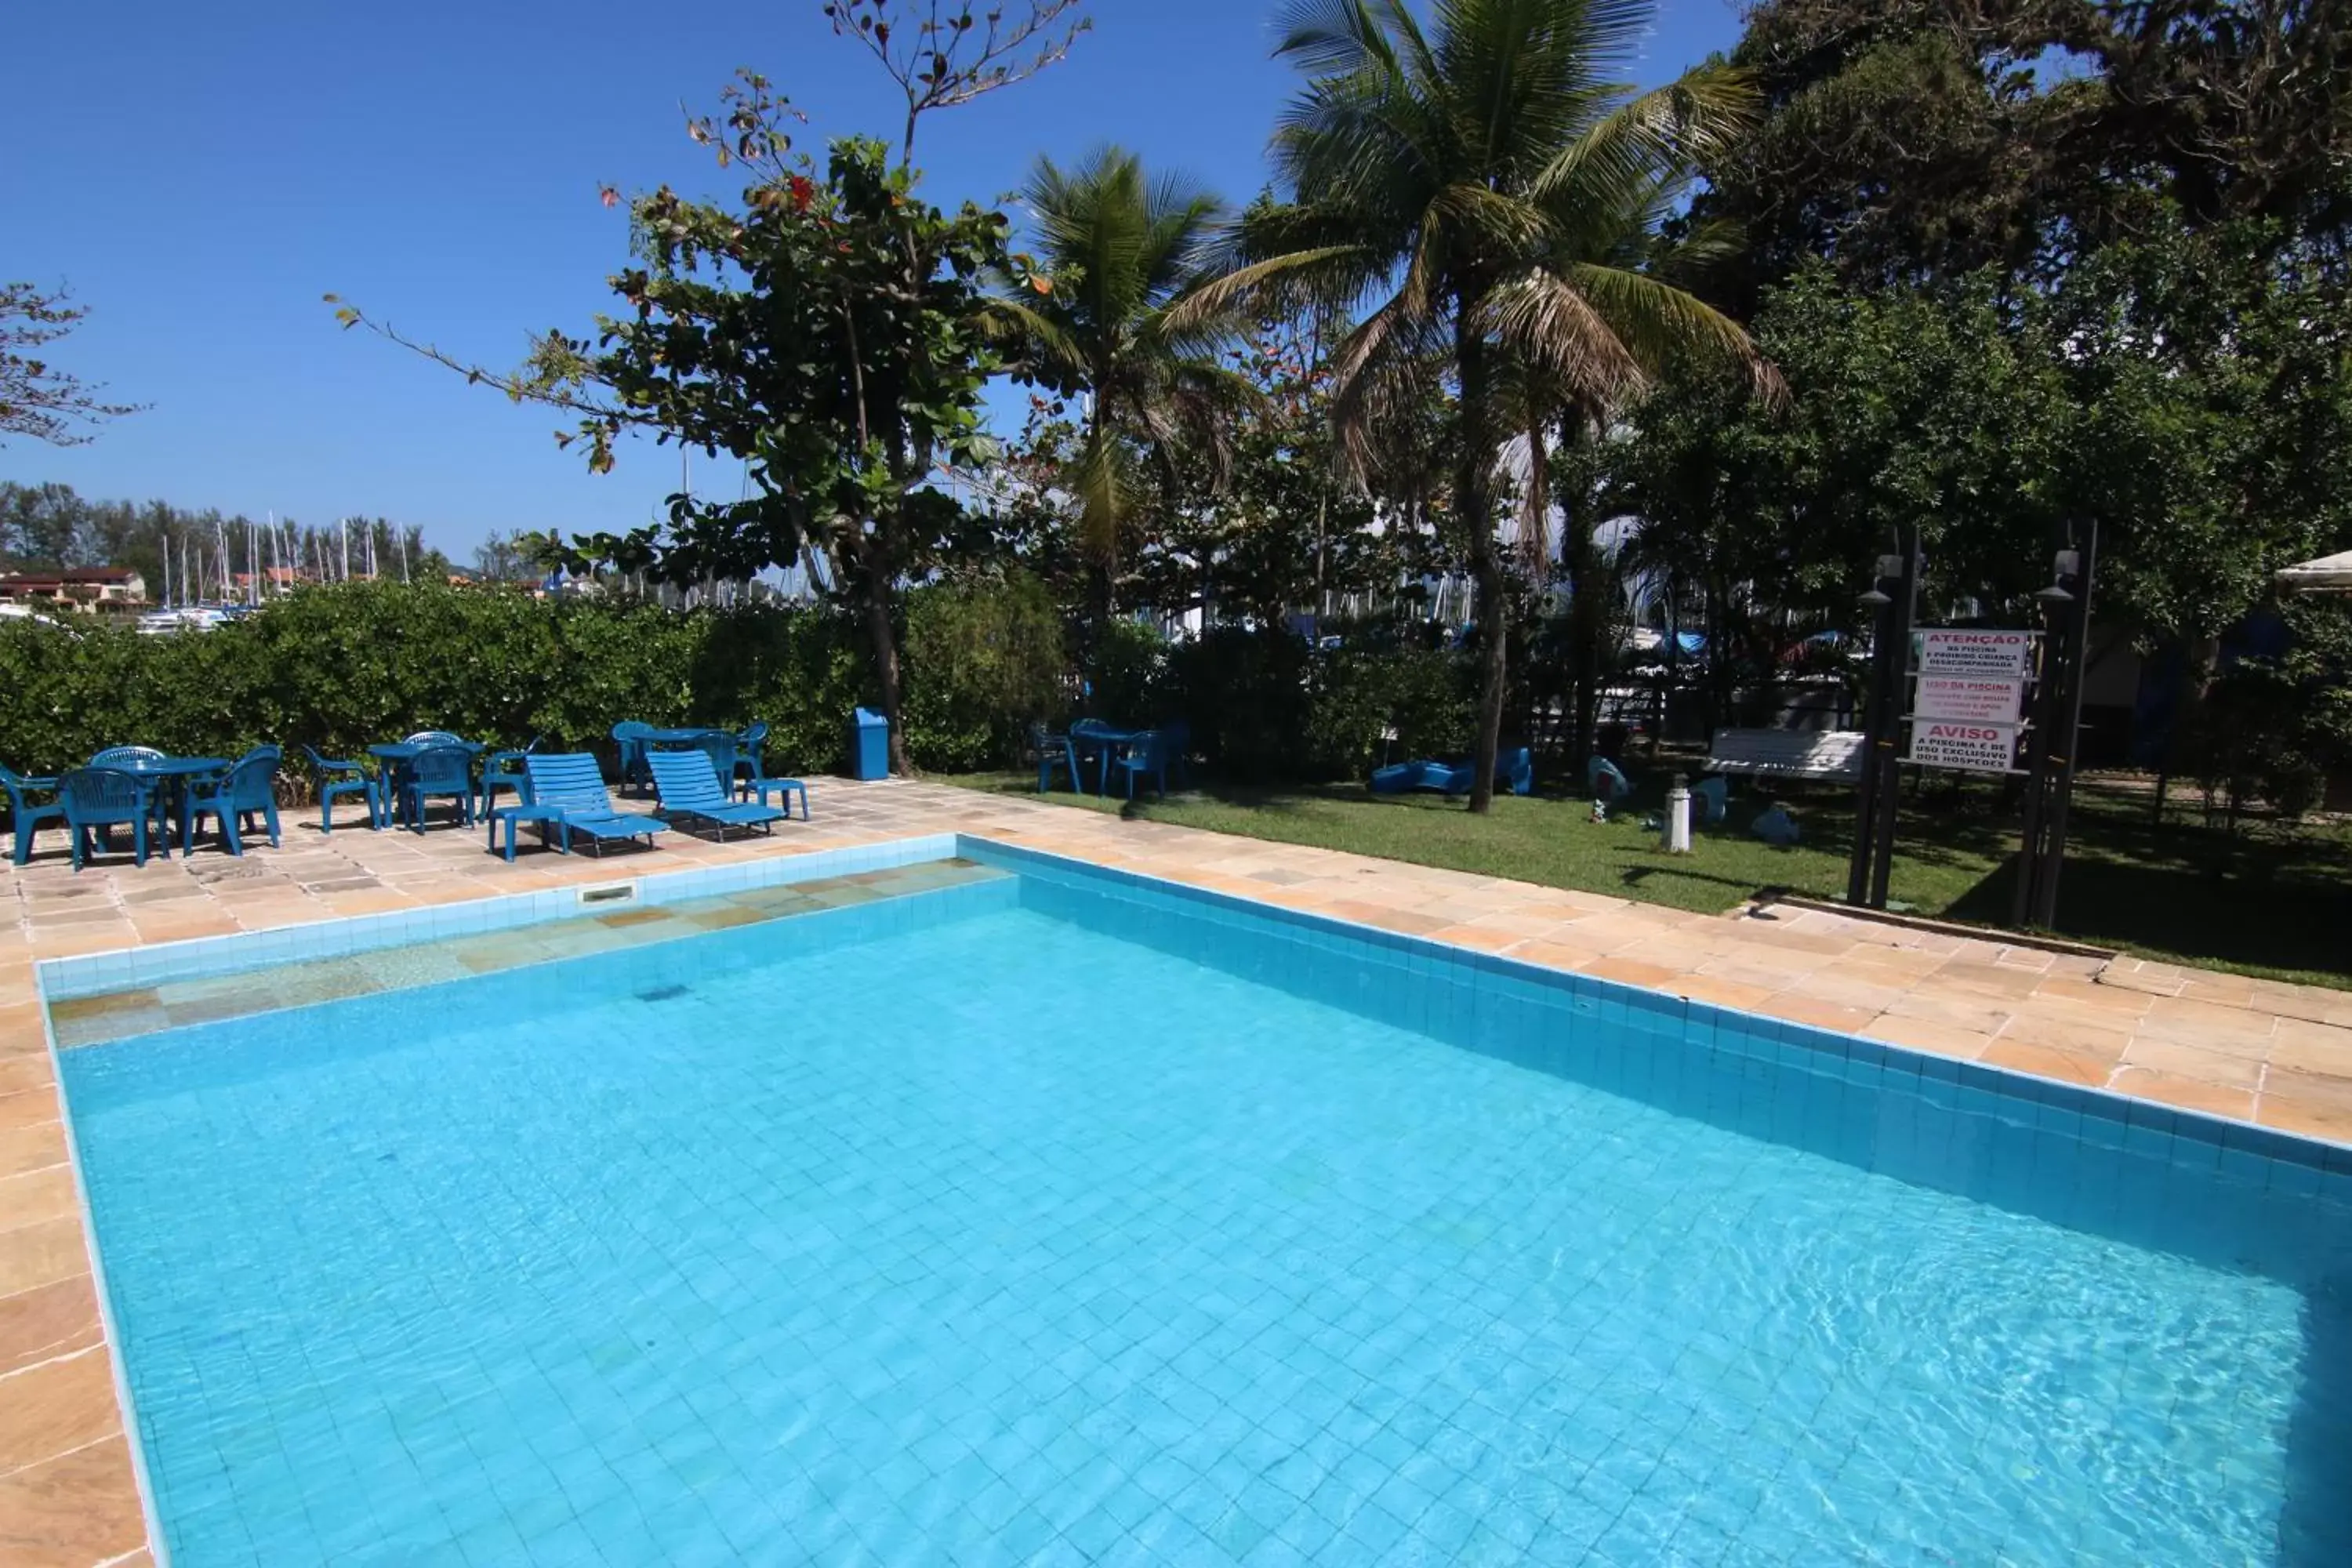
x=2246, y=916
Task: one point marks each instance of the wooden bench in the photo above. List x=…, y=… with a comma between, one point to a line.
x=1829, y=754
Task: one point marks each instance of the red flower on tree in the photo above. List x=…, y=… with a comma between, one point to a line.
x=803, y=192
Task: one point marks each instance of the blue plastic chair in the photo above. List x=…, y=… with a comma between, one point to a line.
x=631, y=737
x=1714, y=798
x=750, y=765
x=724, y=751
x=236, y=796
x=337, y=779
x=159, y=801
x=755, y=784
x=567, y=799
x=433, y=738
x=103, y=798
x=1147, y=753
x=438, y=773
x=1054, y=750
x=26, y=815
x=503, y=770
x=689, y=787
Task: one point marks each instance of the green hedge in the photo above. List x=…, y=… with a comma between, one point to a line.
x=983, y=661
x=340, y=667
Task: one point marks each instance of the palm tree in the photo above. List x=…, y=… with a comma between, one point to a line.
x=1486, y=191
x=1120, y=253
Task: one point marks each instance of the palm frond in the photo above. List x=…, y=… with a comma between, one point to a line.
x=1667, y=129
x=1332, y=37
x=1660, y=323
x=1550, y=327
x=1101, y=479
x=1040, y=345
x=1260, y=279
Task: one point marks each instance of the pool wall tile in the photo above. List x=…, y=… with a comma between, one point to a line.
x=2080, y=1157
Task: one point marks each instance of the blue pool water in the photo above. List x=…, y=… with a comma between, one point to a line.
x=1026, y=1223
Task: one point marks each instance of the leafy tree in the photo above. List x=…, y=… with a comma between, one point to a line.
x=1098, y=322
x=1904, y=140
x=1476, y=179
x=37, y=398
x=2211, y=379
x=2192, y=393
x=190, y=551
x=1910, y=407
x=509, y=557
x=797, y=336
x=831, y=335
x=1264, y=527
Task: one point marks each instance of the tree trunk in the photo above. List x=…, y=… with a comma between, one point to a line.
x=1472, y=490
x=885, y=640
x=1588, y=621
x=882, y=646
x=2202, y=666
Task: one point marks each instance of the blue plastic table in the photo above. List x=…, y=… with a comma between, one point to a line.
x=1105, y=743
x=391, y=753
x=174, y=775
x=514, y=817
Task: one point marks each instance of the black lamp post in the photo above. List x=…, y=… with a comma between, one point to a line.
x=2057, y=732
x=1890, y=668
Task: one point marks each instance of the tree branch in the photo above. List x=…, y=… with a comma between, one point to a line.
x=37, y=399
x=922, y=45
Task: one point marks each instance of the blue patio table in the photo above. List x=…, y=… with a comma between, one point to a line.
x=514, y=817
x=173, y=775
x=393, y=753
x=1094, y=735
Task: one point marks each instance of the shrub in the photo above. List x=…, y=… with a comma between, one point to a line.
x=340, y=667
x=1129, y=675
x=983, y=661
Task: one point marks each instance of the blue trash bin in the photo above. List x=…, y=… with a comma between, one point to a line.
x=870, y=753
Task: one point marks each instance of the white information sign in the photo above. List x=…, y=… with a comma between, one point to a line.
x=1959, y=744
x=1987, y=698
x=1960, y=650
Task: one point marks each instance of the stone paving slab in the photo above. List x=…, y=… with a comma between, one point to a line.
x=2252, y=1050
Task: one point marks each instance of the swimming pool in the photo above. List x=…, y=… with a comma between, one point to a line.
x=1056, y=1216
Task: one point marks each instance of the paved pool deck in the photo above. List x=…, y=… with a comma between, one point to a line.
x=2255, y=1050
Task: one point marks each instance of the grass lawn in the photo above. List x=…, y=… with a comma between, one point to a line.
x=2266, y=901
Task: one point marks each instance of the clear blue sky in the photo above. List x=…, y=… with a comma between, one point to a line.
x=202, y=175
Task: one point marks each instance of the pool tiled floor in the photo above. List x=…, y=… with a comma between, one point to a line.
x=95, y=1020
x=2253, y=1050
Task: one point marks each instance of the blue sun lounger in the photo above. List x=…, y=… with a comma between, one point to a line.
x=689, y=787
x=1516, y=770
x=564, y=796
